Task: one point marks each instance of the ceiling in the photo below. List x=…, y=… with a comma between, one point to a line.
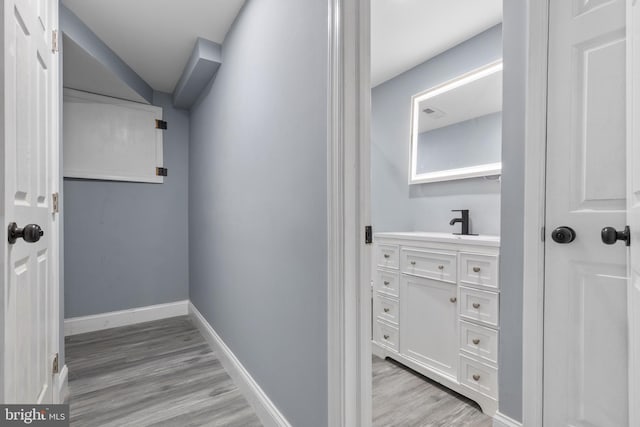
x=156, y=37
x=405, y=33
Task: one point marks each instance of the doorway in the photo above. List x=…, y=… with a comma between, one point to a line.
x=436, y=124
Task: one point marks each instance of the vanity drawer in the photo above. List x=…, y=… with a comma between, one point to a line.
x=479, y=376
x=479, y=341
x=387, y=282
x=386, y=335
x=387, y=256
x=385, y=308
x=480, y=270
x=478, y=305
x=431, y=264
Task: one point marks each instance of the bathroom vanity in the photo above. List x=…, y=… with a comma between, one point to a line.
x=435, y=309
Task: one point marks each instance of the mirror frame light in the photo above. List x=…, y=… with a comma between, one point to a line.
x=489, y=169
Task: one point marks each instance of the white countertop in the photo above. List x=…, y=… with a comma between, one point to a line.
x=484, y=240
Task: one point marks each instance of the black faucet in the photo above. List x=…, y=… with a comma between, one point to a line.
x=464, y=220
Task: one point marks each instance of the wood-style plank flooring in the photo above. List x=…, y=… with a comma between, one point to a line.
x=160, y=373
x=402, y=397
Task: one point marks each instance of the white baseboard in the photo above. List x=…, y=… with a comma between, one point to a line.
x=267, y=412
x=61, y=386
x=501, y=420
x=113, y=319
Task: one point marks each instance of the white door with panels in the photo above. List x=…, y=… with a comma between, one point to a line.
x=586, y=327
x=29, y=144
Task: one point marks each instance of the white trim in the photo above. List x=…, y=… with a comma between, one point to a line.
x=114, y=319
x=534, y=208
x=501, y=420
x=633, y=128
x=348, y=274
x=59, y=382
x=61, y=386
x=265, y=409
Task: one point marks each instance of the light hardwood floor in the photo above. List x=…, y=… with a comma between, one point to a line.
x=160, y=373
x=402, y=397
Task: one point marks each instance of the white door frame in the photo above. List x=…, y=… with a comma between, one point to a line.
x=534, y=208
x=348, y=181
x=60, y=380
x=633, y=126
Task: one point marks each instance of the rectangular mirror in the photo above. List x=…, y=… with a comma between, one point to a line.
x=456, y=128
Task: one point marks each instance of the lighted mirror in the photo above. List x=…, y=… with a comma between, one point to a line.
x=456, y=128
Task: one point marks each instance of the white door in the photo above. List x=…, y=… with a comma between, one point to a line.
x=29, y=143
x=633, y=205
x=585, y=323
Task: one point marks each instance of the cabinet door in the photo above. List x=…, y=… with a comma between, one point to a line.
x=428, y=315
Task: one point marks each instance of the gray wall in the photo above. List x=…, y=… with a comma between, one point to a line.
x=258, y=202
x=396, y=206
x=126, y=244
x=513, y=134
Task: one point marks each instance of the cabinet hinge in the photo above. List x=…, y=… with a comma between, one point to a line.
x=368, y=234
x=161, y=124
x=543, y=232
x=54, y=41
x=55, y=202
x=162, y=171
x=56, y=365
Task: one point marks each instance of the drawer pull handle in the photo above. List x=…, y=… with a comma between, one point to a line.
x=387, y=255
x=413, y=263
x=476, y=305
x=476, y=269
x=476, y=377
x=453, y=299
x=386, y=337
x=441, y=267
x=386, y=283
x=476, y=341
x=386, y=310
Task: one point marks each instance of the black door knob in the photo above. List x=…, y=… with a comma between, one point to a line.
x=31, y=233
x=610, y=235
x=563, y=235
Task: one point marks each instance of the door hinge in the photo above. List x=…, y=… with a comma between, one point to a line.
x=543, y=232
x=56, y=365
x=162, y=171
x=54, y=41
x=161, y=124
x=368, y=234
x=55, y=203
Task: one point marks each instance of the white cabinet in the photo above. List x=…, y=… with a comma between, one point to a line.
x=429, y=332
x=436, y=309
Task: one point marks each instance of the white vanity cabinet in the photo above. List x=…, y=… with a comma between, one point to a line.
x=435, y=309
